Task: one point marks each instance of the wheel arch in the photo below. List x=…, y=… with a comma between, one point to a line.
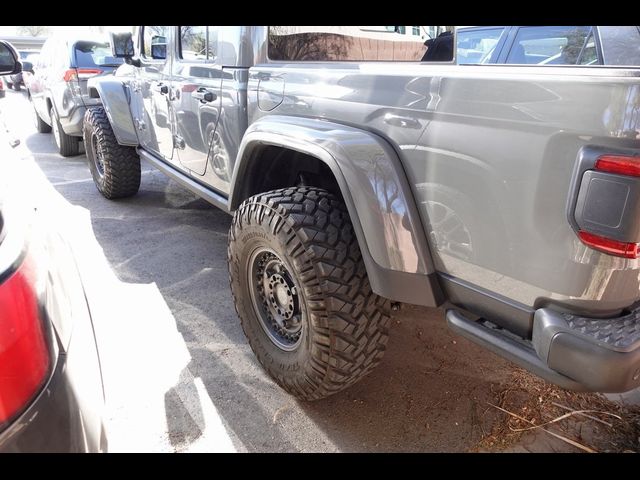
x=366, y=172
x=115, y=97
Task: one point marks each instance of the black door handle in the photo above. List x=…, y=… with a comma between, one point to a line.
x=161, y=88
x=204, y=95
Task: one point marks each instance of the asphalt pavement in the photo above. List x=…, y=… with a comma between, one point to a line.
x=179, y=374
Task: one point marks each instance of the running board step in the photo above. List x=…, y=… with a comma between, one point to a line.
x=500, y=342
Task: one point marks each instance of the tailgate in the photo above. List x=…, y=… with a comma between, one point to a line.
x=92, y=59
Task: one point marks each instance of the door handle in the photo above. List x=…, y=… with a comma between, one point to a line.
x=204, y=95
x=399, y=121
x=161, y=88
x=178, y=142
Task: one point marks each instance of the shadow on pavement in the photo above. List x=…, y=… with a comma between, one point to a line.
x=429, y=393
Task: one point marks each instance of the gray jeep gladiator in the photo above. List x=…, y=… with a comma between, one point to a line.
x=364, y=168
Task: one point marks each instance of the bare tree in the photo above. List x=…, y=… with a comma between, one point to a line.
x=307, y=46
x=34, y=31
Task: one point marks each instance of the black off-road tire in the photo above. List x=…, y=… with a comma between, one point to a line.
x=345, y=325
x=68, y=146
x=118, y=175
x=41, y=125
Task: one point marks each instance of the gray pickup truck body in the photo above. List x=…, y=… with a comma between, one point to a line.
x=462, y=181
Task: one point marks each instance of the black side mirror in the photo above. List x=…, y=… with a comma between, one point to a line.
x=9, y=60
x=159, y=48
x=27, y=66
x=122, y=45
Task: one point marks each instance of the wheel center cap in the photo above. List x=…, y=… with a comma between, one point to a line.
x=281, y=295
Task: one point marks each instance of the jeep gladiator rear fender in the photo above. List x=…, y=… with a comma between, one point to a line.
x=115, y=97
x=375, y=190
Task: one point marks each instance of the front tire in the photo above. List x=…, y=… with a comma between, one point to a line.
x=68, y=146
x=301, y=291
x=115, y=168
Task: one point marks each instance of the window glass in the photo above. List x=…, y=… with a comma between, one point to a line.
x=548, y=45
x=154, y=42
x=94, y=54
x=589, y=55
x=193, y=43
x=476, y=45
x=44, y=54
x=60, y=55
x=213, y=42
x=415, y=31
x=620, y=45
x=352, y=43
x=198, y=43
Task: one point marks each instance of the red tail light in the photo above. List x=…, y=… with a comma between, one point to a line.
x=80, y=73
x=24, y=355
x=619, y=164
x=612, y=247
x=189, y=87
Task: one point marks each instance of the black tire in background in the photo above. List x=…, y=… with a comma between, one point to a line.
x=68, y=146
x=115, y=168
x=41, y=125
x=341, y=327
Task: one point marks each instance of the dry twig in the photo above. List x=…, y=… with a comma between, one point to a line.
x=557, y=435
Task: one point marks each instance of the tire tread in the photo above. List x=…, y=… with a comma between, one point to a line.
x=349, y=322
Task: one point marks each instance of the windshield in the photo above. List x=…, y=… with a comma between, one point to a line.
x=95, y=54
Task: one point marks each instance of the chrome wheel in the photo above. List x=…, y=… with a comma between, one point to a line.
x=275, y=299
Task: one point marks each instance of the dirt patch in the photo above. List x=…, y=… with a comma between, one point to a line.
x=580, y=421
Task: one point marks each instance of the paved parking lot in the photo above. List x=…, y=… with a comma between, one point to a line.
x=179, y=373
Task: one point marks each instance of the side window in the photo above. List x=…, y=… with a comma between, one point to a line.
x=198, y=43
x=360, y=44
x=213, y=42
x=61, y=54
x=476, y=45
x=548, y=45
x=620, y=45
x=193, y=43
x=44, y=54
x=589, y=54
x=154, y=42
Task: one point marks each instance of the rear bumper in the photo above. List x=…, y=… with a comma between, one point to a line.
x=577, y=353
x=601, y=354
x=55, y=421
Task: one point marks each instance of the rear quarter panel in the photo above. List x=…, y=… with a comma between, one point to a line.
x=489, y=152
